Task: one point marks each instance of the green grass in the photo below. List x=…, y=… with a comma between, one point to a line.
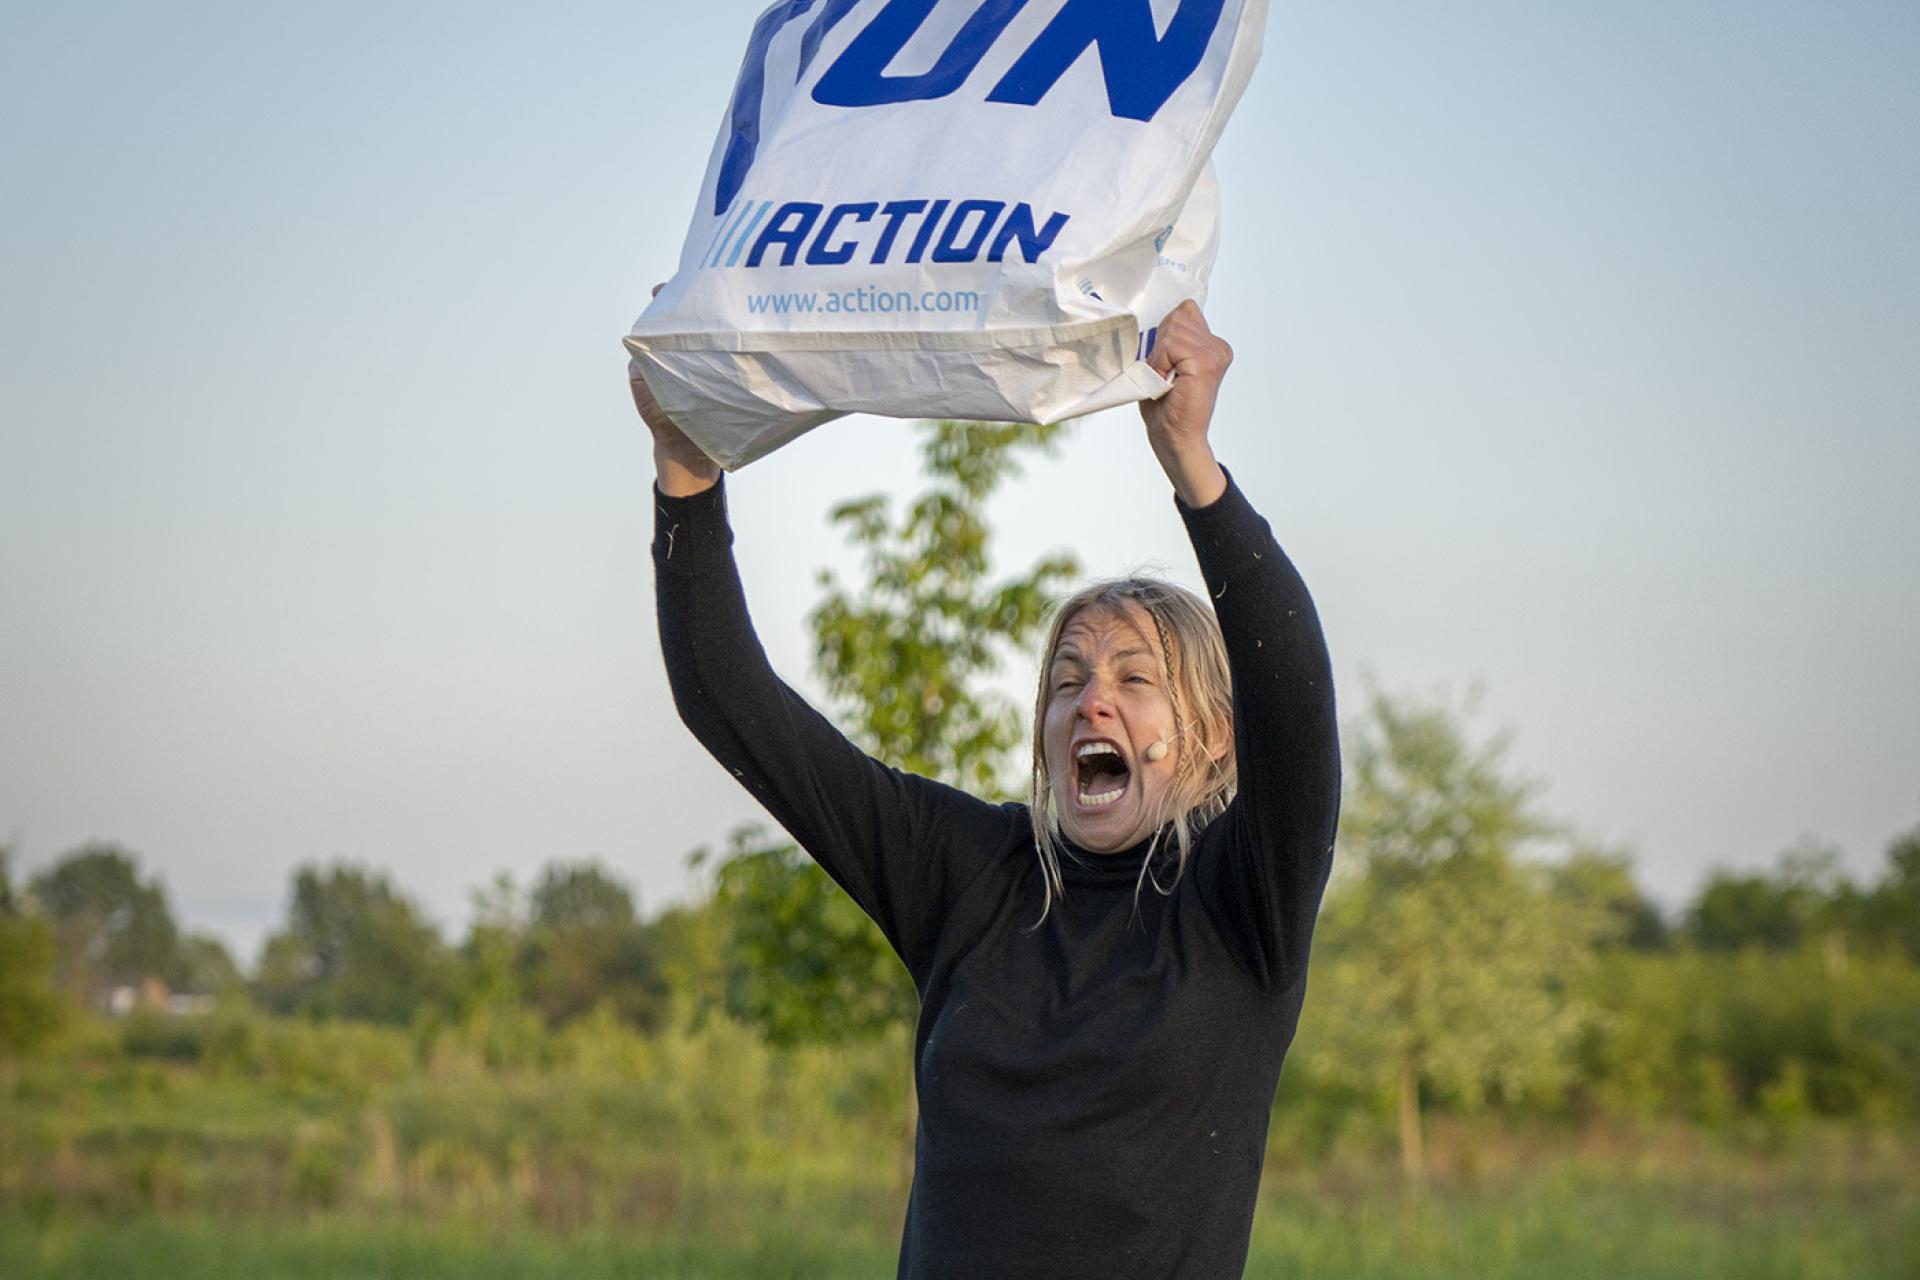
x=351, y=1154
x=1584, y=1228
x=1572, y=1224
x=201, y=1249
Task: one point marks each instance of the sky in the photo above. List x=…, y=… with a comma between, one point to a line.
x=1575, y=366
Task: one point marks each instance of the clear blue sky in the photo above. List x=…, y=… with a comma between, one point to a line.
x=1577, y=358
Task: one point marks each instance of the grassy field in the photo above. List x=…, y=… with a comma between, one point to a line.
x=1562, y=1230
x=282, y=1151
x=1791, y=1218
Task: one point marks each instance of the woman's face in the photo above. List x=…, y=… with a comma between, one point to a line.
x=1107, y=703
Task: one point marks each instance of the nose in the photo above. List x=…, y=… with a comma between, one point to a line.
x=1096, y=698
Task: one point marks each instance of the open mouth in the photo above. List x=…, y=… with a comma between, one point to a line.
x=1103, y=774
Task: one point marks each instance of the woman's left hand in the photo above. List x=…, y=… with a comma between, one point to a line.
x=1187, y=351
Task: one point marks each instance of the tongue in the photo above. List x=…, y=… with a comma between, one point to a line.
x=1102, y=774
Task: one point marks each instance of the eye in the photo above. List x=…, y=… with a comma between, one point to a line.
x=1139, y=678
x=1065, y=683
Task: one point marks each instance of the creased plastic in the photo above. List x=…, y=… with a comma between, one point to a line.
x=947, y=208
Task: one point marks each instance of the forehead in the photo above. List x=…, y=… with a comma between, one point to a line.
x=1102, y=629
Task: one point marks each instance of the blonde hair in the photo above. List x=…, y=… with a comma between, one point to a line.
x=1201, y=690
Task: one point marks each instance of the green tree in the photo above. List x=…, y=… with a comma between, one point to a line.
x=490, y=956
x=1890, y=914
x=1711, y=1033
x=692, y=941
x=353, y=947
x=109, y=925
x=803, y=963
x=905, y=657
x=1604, y=880
x=581, y=894
x=30, y=1012
x=585, y=946
x=202, y=964
x=1804, y=898
x=1445, y=961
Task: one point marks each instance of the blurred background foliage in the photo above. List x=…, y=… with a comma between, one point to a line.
x=1509, y=1054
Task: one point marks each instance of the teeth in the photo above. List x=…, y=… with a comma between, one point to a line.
x=1092, y=800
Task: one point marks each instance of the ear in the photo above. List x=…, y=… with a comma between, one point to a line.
x=1220, y=749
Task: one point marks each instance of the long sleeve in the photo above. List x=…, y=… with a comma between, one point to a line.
x=902, y=846
x=1268, y=863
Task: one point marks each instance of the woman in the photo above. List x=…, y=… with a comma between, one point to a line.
x=1109, y=976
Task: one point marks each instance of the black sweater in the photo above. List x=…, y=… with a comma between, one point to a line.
x=1094, y=1095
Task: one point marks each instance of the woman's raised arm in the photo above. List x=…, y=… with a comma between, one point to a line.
x=901, y=846
x=1274, y=847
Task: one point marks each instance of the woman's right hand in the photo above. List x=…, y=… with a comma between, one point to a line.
x=680, y=467
x=666, y=436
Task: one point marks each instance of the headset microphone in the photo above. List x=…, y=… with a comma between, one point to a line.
x=1157, y=751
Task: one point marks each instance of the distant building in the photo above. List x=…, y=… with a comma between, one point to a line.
x=151, y=993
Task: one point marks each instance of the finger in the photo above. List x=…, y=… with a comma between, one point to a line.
x=1173, y=345
x=1186, y=312
x=1186, y=321
x=1157, y=359
x=1185, y=326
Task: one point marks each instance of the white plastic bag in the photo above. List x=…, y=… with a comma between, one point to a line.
x=947, y=208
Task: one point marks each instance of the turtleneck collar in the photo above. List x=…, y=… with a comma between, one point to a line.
x=1082, y=866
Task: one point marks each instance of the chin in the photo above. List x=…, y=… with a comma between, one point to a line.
x=1102, y=833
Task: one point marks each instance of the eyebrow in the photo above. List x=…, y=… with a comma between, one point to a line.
x=1066, y=653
